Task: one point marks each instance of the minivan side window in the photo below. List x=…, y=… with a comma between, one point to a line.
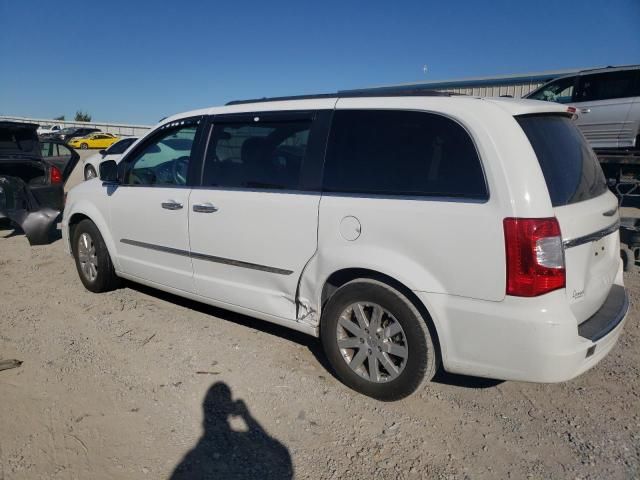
x=604, y=86
x=560, y=91
x=256, y=154
x=392, y=152
x=165, y=160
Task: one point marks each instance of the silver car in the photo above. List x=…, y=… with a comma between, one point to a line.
x=607, y=101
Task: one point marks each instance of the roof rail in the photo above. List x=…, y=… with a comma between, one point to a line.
x=365, y=92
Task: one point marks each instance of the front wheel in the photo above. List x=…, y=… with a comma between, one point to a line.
x=89, y=172
x=84, y=146
x=92, y=258
x=377, y=341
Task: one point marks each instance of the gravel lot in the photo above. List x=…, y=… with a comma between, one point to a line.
x=140, y=384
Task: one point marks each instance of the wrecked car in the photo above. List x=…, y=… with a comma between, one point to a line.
x=31, y=185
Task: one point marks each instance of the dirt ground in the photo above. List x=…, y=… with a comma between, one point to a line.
x=137, y=383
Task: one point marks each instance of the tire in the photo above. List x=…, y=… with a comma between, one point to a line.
x=89, y=172
x=407, y=374
x=84, y=146
x=105, y=278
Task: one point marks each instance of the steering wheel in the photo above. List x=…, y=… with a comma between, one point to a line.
x=179, y=170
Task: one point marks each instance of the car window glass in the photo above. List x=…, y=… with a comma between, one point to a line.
x=165, y=160
x=560, y=91
x=569, y=165
x=119, y=147
x=45, y=148
x=63, y=151
x=604, y=86
x=391, y=152
x=257, y=155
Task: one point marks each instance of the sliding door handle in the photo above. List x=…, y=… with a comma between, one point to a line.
x=171, y=205
x=205, y=208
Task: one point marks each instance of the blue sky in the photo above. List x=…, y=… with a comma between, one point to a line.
x=137, y=61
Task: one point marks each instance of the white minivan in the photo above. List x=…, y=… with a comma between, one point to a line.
x=408, y=231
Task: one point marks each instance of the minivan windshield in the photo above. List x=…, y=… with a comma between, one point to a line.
x=569, y=165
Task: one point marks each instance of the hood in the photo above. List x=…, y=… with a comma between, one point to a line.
x=19, y=139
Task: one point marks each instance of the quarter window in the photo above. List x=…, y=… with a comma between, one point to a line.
x=258, y=154
x=164, y=161
x=604, y=86
x=391, y=152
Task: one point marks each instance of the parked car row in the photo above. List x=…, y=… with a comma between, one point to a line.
x=68, y=133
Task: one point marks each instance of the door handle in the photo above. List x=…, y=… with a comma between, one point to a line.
x=585, y=110
x=205, y=208
x=171, y=205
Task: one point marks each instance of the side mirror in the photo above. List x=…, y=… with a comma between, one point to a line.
x=109, y=171
x=102, y=152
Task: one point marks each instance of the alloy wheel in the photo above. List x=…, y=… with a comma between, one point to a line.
x=372, y=342
x=87, y=257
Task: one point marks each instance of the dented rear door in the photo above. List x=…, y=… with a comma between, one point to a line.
x=253, y=222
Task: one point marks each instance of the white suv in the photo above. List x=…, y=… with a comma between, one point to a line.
x=407, y=232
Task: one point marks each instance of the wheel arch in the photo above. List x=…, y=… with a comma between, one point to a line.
x=92, y=214
x=345, y=275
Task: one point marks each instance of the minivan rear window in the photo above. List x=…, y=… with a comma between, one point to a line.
x=569, y=165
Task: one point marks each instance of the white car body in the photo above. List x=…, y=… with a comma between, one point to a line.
x=48, y=129
x=270, y=254
x=92, y=163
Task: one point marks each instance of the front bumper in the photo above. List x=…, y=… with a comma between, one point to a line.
x=532, y=339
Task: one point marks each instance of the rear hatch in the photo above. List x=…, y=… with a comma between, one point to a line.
x=586, y=211
x=21, y=157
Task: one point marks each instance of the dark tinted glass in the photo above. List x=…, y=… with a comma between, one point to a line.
x=603, y=86
x=402, y=153
x=119, y=147
x=571, y=169
x=256, y=155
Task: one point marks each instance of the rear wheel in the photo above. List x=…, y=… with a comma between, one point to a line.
x=84, y=146
x=92, y=258
x=89, y=172
x=377, y=341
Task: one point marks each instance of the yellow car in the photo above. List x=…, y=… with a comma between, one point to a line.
x=94, y=140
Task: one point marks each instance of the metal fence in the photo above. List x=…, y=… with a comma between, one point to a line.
x=120, y=129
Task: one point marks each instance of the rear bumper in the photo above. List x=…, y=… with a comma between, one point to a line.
x=608, y=317
x=534, y=340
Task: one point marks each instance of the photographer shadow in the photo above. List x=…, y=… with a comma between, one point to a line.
x=226, y=453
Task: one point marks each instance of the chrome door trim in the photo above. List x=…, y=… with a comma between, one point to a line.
x=208, y=258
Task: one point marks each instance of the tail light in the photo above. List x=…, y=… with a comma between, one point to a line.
x=55, y=175
x=535, y=257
